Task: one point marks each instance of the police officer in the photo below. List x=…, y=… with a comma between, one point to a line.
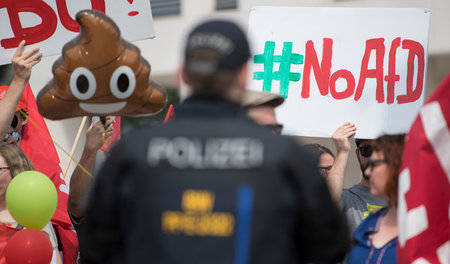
x=211, y=186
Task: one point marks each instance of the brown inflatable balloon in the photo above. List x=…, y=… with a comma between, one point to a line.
x=101, y=74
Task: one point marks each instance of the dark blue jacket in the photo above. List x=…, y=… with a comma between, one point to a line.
x=211, y=187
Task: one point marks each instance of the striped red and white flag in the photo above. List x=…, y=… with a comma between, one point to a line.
x=424, y=187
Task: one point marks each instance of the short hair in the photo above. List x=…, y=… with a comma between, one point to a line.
x=15, y=158
x=358, y=141
x=392, y=148
x=318, y=150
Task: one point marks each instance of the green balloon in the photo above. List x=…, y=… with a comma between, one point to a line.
x=31, y=199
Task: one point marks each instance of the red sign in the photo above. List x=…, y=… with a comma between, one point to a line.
x=49, y=19
x=51, y=23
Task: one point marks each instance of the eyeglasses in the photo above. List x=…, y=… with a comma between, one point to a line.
x=372, y=163
x=275, y=129
x=366, y=150
x=14, y=134
x=325, y=169
x=14, y=122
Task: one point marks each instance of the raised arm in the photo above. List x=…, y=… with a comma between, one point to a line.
x=322, y=230
x=336, y=175
x=22, y=63
x=80, y=180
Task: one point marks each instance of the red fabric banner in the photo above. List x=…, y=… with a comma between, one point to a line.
x=424, y=187
x=38, y=146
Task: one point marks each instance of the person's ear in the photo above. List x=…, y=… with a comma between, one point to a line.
x=179, y=76
x=242, y=77
x=183, y=74
x=24, y=120
x=357, y=155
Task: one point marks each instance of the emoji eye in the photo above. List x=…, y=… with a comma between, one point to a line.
x=82, y=83
x=123, y=82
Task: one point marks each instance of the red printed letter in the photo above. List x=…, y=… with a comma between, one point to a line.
x=378, y=46
x=348, y=76
x=322, y=72
x=391, y=78
x=415, y=49
x=34, y=34
x=65, y=18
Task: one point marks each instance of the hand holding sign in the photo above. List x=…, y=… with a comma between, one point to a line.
x=22, y=62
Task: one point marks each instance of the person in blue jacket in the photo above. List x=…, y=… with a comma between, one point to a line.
x=375, y=239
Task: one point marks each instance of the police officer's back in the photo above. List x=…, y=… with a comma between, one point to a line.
x=211, y=186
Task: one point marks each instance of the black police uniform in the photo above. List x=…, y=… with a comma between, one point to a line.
x=210, y=187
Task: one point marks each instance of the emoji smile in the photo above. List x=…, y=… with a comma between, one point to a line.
x=102, y=108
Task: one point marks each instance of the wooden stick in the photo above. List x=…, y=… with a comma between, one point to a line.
x=74, y=146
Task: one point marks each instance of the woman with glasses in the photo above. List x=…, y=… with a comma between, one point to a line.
x=14, y=135
x=12, y=162
x=375, y=239
x=326, y=157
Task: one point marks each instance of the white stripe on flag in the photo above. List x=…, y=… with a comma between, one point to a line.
x=437, y=133
x=421, y=261
x=415, y=220
x=443, y=252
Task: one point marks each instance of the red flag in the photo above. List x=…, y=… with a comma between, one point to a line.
x=424, y=187
x=170, y=114
x=38, y=146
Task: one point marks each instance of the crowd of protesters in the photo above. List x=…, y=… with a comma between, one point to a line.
x=215, y=186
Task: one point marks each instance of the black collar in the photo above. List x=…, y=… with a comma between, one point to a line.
x=206, y=107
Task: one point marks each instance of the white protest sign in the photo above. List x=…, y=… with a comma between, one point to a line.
x=50, y=24
x=333, y=65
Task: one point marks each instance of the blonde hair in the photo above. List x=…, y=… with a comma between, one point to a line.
x=15, y=158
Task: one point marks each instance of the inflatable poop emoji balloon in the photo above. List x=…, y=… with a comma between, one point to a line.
x=101, y=74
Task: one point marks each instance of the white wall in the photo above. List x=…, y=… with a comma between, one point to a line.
x=165, y=51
